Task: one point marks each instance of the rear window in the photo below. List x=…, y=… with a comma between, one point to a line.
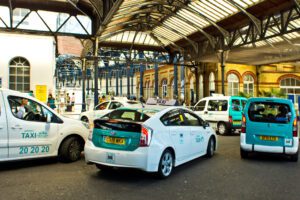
x=269, y=112
x=117, y=125
x=131, y=115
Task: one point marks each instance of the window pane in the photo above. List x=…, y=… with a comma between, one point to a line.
x=19, y=79
x=12, y=70
x=26, y=87
x=293, y=82
x=26, y=79
x=12, y=86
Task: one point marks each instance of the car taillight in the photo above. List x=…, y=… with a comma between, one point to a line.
x=230, y=119
x=295, y=128
x=145, y=136
x=243, y=124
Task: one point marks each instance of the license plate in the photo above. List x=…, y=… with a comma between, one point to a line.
x=236, y=122
x=268, y=138
x=114, y=140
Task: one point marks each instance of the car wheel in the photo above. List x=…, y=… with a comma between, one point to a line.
x=210, y=148
x=166, y=163
x=70, y=150
x=222, y=129
x=294, y=157
x=85, y=119
x=244, y=154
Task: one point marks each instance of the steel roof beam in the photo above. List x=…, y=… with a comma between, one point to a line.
x=224, y=32
x=297, y=2
x=193, y=43
x=109, y=16
x=181, y=49
x=210, y=38
x=255, y=21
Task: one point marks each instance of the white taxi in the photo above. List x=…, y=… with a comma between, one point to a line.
x=30, y=129
x=106, y=107
x=148, y=139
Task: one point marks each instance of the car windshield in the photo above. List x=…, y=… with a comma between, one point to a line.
x=270, y=112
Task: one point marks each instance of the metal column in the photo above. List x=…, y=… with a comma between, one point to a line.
x=223, y=71
x=141, y=80
x=132, y=75
x=96, y=101
x=197, y=83
x=156, y=79
x=175, y=89
x=83, y=108
x=182, y=80
x=128, y=80
x=117, y=83
x=121, y=82
x=106, y=77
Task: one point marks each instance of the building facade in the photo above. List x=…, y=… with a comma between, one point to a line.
x=250, y=80
x=27, y=61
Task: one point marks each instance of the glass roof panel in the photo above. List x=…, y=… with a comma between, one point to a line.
x=199, y=13
x=4, y=14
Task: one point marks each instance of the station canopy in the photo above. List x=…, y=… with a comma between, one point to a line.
x=252, y=31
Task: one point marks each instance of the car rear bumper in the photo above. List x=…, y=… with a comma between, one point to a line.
x=269, y=149
x=138, y=158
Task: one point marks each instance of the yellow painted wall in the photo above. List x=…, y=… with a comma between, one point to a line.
x=269, y=77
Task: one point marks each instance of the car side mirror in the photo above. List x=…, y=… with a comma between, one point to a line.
x=205, y=124
x=48, y=118
x=105, y=118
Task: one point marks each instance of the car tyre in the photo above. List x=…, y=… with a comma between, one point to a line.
x=210, y=148
x=166, y=164
x=294, y=157
x=244, y=154
x=70, y=150
x=222, y=128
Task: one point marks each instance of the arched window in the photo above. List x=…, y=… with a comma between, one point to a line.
x=19, y=74
x=248, y=85
x=164, y=88
x=201, y=86
x=291, y=86
x=233, y=85
x=212, y=87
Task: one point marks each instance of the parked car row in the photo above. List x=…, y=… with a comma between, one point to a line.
x=151, y=138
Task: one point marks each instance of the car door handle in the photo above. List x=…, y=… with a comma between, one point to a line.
x=1, y=127
x=16, y=127
x=173, y=134
x=205, y=112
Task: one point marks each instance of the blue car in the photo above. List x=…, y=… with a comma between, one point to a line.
x=269, y=125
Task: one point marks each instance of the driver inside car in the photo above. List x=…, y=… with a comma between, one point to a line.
x=21, y=111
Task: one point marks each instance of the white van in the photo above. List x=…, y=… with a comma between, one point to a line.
x=224, y=113
x=30, y=129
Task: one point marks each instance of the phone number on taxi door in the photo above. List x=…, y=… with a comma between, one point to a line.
x=34, y=149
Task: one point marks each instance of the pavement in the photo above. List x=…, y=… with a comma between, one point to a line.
x=225, y=176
